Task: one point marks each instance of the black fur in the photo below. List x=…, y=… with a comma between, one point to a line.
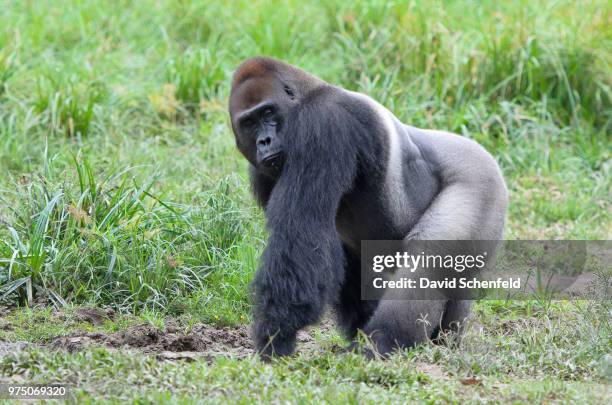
x=302, y=267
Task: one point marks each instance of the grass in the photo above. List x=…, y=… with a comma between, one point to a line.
x=521, y=352
x=351, y=381
x=120, y=184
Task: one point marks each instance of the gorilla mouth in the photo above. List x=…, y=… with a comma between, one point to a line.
x=273, y=161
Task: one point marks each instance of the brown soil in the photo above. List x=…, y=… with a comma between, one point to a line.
x=176, y=342
x=96, y=316
x=180, y=343
x=199, y=341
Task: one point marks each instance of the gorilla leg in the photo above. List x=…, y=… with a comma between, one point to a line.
x=399, y=324
x=404, y=323
x=351, y=311
x=454, y=317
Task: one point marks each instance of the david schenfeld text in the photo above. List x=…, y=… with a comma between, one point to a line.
x=446, y=283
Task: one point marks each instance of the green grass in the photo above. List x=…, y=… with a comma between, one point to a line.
x=520, y=352
x=352, y=380
x=120, y=184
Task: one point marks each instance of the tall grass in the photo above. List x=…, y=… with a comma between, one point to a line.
x=6, y=70
x=155, y=210
x=197, y=75
x=109, y=240
x=67, y=108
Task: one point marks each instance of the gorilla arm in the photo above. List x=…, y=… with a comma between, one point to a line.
x=302, y=266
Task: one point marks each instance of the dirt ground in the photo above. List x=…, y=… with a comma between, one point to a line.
x=173, y=342
x=200, y=341
x=178, y=342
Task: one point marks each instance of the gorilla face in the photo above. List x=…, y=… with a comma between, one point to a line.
x=263, y=93
x=260, y=127
x=258, y=109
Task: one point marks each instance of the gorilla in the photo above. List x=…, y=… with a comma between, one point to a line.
x=331, y=168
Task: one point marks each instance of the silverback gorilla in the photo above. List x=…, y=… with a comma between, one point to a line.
x=331, y=168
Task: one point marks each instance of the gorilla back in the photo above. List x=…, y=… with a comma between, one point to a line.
x=333, y=167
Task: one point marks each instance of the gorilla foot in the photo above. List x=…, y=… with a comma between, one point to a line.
x=275, y=346
x=377, y=345
x=361, y=348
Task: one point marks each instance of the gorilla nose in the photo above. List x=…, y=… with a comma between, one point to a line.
x=264, y=141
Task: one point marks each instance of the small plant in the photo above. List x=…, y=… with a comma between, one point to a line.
x=165, y=102
x=68, y=108
x=7, y=69
x=197, y=76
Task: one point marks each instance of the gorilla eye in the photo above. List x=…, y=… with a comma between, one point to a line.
x=289, y=91
x=269, y=116
x=248, y=124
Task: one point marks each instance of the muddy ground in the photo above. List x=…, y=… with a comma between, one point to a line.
x=200, y=341
x=179, y=343
x=173, y=342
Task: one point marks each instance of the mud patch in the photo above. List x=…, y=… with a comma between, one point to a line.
x=8, y=348
x=95, y=316
x=433, y=371
x=200, y=340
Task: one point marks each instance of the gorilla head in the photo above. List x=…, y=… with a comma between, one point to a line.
x=263, y=93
